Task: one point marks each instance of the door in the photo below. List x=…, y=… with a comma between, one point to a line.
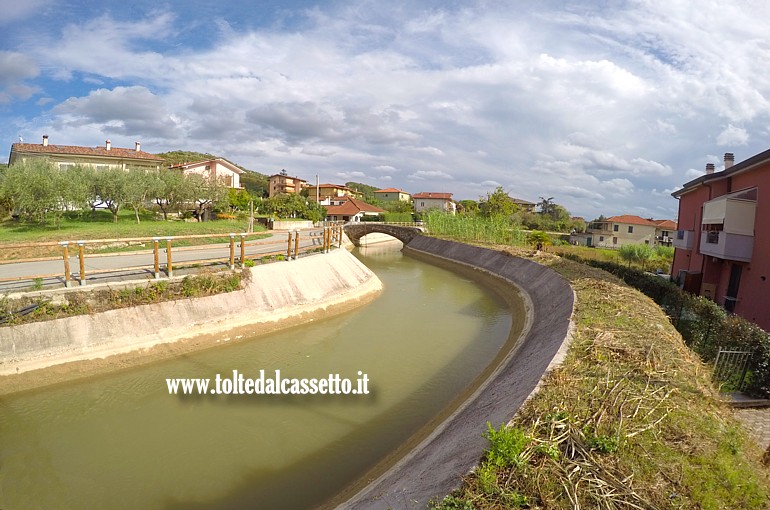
x=732, y=287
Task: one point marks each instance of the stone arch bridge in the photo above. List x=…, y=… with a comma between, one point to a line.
x=402, y=232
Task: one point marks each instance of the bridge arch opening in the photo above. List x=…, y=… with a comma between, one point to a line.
x=355, y=231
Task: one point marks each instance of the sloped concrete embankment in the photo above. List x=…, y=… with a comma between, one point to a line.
x=434, y=468
x=283, y=292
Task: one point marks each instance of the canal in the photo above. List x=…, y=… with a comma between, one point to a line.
x=121, y=441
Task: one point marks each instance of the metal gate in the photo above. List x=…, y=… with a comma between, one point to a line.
x=730, y=369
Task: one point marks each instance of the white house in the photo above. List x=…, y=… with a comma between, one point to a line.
x=214, y=168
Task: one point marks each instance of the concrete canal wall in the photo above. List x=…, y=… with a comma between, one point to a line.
x=433, y=468
x=281, y=292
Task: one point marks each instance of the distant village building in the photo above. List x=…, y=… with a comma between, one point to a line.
x=392, y=195
x=350, y=209
x=524, y=205
x=282, y=183
x=617, y=231
x=325, y=191
x=100, y=158
x=428, y=200
x=214, y=168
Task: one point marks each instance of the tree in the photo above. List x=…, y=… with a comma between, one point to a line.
x=238, y=199
x=111, y=188
x=207, y=194
x=469, y=206
x=139, y=189
x=497, y=204
x=32, y=187
x=546, y=206
x=171, y=190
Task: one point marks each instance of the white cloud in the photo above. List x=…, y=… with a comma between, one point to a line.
x=732, y=136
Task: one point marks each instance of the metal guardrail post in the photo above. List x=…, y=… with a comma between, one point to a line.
x=243, y=250
x=156, y=261
x=232, y=252
x=82, y=258
x=296, y=244
x=169, y=266
x=65, y=245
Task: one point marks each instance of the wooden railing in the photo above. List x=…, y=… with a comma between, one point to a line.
x=163, y=250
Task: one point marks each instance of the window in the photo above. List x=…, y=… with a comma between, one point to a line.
x=614, y=240
x=630, y=229
x=615, y=228
x=601, y=238
x=101, y=168
x=680, y=235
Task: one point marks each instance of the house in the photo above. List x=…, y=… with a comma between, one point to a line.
x=524, y=205
x=664, y=232
x=392, y=195
x=722, y=245
x=282, y=183
x=324, y=191
x=216, y=168
x=350, y=209
x=100, y=158
x=616, y=231
x=428, y=200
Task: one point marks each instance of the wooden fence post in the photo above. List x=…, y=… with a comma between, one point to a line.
x=67, y=282
x=232, y=252
x=169, y=266
x=288, y=250
x=243, y=250
x=82, y=258
x=155, y=241
x=296, y=244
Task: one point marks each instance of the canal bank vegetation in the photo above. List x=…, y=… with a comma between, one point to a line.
x=27, y=309
x=630, y=420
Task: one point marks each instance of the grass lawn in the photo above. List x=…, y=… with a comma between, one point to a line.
x=99, y=225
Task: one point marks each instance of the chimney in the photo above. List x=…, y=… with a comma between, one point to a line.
x=45, y=140
x=107, y=145
x=138, y=146
x=729, y=159
x=709, y=168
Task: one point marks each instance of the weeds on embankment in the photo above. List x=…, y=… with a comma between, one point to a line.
x=630, y=420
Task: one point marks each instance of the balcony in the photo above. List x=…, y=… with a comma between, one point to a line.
x=683, y=239
x=728, y=226
x=726, y=245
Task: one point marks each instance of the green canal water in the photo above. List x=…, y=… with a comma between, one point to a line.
x=123, y=442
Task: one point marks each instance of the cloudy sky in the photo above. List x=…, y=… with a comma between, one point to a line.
x=605, y=106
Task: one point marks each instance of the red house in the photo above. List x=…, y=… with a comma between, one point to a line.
x=723, y=237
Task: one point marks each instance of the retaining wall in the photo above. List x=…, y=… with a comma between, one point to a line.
x=435, y=466
x=276, y=292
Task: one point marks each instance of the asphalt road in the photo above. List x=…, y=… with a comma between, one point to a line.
x=112, y=267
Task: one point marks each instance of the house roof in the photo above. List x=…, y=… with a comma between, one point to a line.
x=74, y=150
x=631, y=219
x=391, y=190
x=423, y=194
x=521, y=201
x=350, y=207
x=221, y=161
x=665, y=224
x=741, y=167
x=287, y=177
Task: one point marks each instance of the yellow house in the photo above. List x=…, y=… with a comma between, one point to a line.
x=100, y=158
x=392, y=195
x=324, y=191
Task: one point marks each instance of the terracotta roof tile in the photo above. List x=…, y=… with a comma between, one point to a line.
x=445, y=196
x=74, y=150
x=351, y=207
x=631, y=219
x=390, y=190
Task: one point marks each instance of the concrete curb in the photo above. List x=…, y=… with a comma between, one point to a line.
x=435, y=466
